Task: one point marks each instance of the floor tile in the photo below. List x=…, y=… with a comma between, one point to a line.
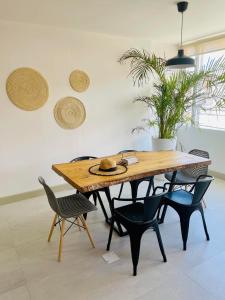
x=210, y=275
x=29, y=267
x=20, y=293
x=11, y=274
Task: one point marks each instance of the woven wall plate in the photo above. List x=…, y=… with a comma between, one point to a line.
x=69, y=113
x=27, y=89
x=79, y=81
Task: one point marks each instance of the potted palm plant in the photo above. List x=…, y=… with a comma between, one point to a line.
x=173, y=94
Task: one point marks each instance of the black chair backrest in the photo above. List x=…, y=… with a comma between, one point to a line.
x=196, y=172
x=202, y=184
x=124, y=151
x=151, y=204
x=50, y=195
x=83, y=158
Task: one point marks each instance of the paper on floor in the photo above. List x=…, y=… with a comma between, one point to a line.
x=110, y=257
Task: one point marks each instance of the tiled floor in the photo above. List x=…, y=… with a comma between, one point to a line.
x=29, y=269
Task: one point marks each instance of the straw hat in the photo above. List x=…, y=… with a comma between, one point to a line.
x=69, y=113
x=27, y=89
x=107, y=167
x=79, y=81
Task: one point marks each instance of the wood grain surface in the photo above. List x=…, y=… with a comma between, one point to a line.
x=150, y=163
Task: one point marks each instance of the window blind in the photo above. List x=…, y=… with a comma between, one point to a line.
x=206, y=45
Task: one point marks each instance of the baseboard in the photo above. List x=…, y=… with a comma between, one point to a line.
x=32, y=194
x=217, y=174
x=63, y=187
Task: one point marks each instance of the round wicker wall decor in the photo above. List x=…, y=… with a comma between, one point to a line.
x=79, y=81
x=27, y=89
x=69, y=113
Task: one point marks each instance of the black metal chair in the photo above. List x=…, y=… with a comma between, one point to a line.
x=137, y=218
x=95, y=194
x=135, y=183
x=65, y=208
x=190, y=175
x=186, y=202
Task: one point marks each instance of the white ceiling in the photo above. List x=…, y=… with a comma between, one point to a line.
x=153, y=19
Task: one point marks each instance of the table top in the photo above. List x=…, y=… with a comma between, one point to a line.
x=150, y=163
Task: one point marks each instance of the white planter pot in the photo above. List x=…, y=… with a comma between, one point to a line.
x=164, y=144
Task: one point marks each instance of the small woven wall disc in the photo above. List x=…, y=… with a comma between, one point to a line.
x=27, y=89
x=79, y=81
x=69, y=113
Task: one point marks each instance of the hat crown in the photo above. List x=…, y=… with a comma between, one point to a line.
x=107, y=164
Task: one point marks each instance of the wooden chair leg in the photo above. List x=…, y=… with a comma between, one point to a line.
x=61, y=240
x=87, y=230
x=52, y=227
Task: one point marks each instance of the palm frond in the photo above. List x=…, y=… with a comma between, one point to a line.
x=173, y=95
x=142, y=65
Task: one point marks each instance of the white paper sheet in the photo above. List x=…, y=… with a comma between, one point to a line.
x=110, y=257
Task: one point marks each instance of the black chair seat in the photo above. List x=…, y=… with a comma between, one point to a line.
x=75, y=205
x=133, y=212
x=180, y=196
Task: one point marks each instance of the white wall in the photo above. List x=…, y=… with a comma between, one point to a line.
x=32, y=141
x=210, y=140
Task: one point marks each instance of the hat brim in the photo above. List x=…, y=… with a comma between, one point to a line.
x=96, y=171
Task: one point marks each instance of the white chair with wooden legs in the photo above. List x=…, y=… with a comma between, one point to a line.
x=66, y=208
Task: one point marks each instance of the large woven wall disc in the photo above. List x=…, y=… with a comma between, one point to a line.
x=69, y=113
x=27, y=89
x=79, y=81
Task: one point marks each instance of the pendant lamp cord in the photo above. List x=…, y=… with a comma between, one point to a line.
x=181, y=33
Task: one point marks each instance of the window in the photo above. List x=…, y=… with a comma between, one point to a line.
x=208, y=118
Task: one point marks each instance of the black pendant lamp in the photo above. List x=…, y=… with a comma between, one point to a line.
x=181, y=61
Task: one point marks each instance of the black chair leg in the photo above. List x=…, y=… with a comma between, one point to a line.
x=102, y=206
x=110, y=234
x=204, y=222
x=95, y=199
x=121, y=189
x=156, y=228
x=120, y=230
x=135, y=243
x=150, y=185
x=184, y=223
x=134, y=189
x=158, y=212
x=163, y=214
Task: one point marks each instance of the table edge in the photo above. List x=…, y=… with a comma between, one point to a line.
x=89, y=188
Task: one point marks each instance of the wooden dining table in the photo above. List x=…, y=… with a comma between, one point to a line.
x=149, y=164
